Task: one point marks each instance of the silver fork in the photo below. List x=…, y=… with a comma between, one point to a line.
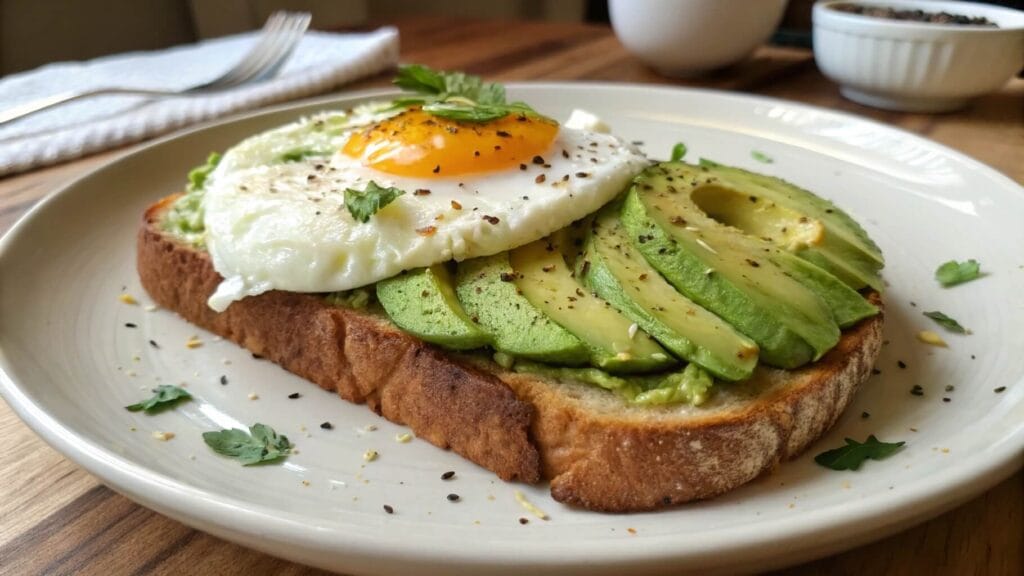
x=277, y=41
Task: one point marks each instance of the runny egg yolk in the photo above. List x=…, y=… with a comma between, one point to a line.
x=418, y=144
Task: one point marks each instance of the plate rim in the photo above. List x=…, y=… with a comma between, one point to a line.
x=228, y=515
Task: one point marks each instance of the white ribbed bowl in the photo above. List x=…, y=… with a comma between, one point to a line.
x=914, y=66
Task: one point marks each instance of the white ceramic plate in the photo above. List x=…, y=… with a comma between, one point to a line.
x=70, y=364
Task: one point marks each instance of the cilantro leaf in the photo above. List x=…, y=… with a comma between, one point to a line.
x=425, y=80
x=363, y=204
x=709, y=163
x=472, y=87
x=678, y=151
x=952, y=273
x=853, y=454
x=164, y=396
x=299, y=154
x=455, y=95
x=468, y=112
x=198, y=175
x=260, y=444
x=407, y=101
x=946, y=322
x=761, y=157
x=417, y=78
x=492, y=93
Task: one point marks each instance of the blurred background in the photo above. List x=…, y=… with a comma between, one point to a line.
x=35, y=32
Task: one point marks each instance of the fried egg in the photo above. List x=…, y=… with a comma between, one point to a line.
x=275, y=213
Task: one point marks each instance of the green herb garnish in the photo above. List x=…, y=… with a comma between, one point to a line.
x=678, y=151
x=164, y=396
x=365, y=203
x=198, y=175
x=455, y=95
x=260, y=444
x=761, y=157
x=851, y=456
x=952, y=273
x=425, y=80
x=300, y=154
x=419, y=78
x=946, y=322
x=470, y=112
x=709, y=163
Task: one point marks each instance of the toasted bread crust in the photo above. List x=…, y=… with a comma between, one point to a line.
x=616, y=463
x=520, y=426
x=363, y=358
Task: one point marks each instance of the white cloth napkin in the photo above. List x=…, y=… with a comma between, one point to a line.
x=322, y=61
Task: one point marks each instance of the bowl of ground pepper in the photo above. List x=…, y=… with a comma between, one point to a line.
x=915, y=55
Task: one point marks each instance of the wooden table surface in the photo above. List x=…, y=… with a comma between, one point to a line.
x=56, y=518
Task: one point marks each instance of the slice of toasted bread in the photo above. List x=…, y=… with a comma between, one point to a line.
x=598, y=452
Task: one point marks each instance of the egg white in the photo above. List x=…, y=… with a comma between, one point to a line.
x=284, y=225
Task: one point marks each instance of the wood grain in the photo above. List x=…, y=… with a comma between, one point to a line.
x=57, y=519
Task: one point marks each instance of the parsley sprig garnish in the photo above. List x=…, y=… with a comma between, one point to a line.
x=300, y=154
x=952, y=273
x=853, y=454
x=164, y=396
x=364, y=203
x=455, y=95
x=260, y=444
x=946, y=322
x=425, y=80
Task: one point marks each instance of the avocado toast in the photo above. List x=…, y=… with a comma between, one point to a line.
x=700, y=327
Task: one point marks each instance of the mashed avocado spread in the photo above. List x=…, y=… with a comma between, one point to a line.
x=185, y=218
x=691, y=385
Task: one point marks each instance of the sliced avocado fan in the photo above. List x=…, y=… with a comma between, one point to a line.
x=423, y=303
x=486, y=288
x=618, y=273
x=713, y=265
x=719, y=268
x=776, y=208
x=616, y=344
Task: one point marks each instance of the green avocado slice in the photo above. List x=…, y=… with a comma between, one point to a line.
x=424, y=304
x=487, y=292
x=718, y=267
x=847, y=305
x=842, y=247
x=616, y=345
x=779, y=233
x=613, y=268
